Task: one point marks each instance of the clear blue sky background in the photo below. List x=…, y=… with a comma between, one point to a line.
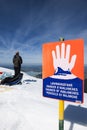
x=26, y=24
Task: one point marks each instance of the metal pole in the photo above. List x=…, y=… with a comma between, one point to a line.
x=61, y=115
x=61, y=107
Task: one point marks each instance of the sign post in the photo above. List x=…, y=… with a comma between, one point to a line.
x=63, y=73
x=61, y=115
x=61, y=108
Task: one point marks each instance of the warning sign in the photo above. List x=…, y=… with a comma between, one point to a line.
x=63, y=70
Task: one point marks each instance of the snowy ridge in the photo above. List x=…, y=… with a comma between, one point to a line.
x=25, y=108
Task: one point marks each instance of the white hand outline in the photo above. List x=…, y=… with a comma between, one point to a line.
x=61, y=58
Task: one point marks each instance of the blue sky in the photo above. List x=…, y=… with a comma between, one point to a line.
x=26, y=24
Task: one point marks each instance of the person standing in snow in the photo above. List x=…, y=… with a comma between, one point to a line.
x=17, y=61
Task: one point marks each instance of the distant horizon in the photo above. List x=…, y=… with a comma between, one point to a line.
x=24, y=64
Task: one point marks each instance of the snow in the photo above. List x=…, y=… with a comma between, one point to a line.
x=23, y=107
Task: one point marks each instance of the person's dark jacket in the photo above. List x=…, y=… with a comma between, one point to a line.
x=17, y=61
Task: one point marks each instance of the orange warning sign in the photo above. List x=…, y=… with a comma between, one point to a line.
x=63, y=70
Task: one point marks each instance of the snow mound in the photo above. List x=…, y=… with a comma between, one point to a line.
x=24, y=108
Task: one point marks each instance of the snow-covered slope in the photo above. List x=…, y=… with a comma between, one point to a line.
x=23, y=107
